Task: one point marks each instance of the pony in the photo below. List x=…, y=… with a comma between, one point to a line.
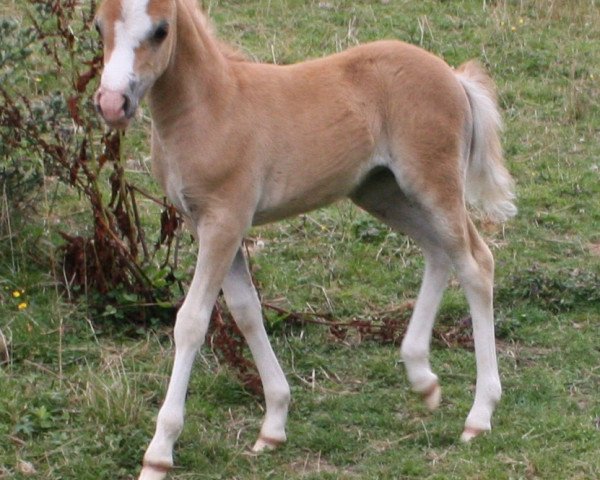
x=237, y=143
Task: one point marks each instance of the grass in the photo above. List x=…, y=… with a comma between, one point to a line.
x=79, y=397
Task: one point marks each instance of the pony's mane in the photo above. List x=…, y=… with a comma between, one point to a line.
x=229, y=51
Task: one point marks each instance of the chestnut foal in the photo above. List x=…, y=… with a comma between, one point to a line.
x=237, y=143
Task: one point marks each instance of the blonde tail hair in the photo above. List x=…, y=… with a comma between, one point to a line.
x=489, y=185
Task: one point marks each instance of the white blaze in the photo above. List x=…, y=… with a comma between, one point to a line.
x=130, y=31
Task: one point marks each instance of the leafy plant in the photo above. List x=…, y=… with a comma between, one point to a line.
x=53, y=131
x=19, y=171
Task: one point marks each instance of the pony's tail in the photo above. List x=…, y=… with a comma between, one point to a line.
x=489, y=186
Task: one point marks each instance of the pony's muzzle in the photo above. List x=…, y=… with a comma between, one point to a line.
x=116, y=108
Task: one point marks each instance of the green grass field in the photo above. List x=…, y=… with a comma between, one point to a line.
x=79, y=395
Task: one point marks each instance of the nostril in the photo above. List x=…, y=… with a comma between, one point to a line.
x=114, y=106
x=126, y=105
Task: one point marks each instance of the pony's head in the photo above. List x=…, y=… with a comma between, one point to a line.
x=138, y=37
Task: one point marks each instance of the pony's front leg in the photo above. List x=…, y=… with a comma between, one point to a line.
x=244, y=305
x=218, y=245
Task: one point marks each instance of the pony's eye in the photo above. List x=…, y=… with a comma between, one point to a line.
x=97, y=27
x=161, y=32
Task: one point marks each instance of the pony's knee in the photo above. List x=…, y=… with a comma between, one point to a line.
x=246, y=311
x=190, y=329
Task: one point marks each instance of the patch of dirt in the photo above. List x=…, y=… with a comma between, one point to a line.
x=521, y=355
x=314, y=464
x=594, y=249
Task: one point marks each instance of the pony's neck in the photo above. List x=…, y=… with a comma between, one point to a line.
x=198, y=72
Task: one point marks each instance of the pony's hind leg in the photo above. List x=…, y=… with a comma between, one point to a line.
x=415, y=345
x=474, y=265
x=244, y=305
x=381, y=196
x=448, y=239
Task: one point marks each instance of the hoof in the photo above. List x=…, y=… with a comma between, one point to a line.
x=469, y=433
x=154, y=471
x=266, y=443
x=432, y=396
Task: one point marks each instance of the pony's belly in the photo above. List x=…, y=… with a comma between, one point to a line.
x=293, y=207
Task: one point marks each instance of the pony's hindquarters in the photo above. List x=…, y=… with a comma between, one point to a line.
x=444, y=147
